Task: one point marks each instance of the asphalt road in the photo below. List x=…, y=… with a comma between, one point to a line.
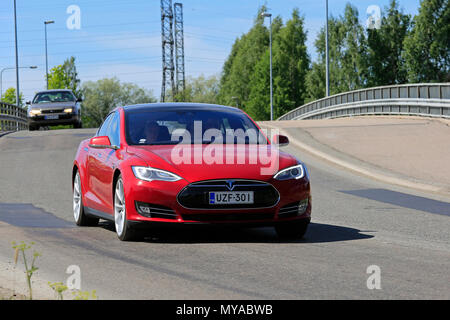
x=356, y=223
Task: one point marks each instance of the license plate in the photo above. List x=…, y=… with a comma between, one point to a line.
x=52, y=117
x=231, y=197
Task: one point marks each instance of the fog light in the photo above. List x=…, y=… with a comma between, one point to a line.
x=143, y=208
x=302, y=206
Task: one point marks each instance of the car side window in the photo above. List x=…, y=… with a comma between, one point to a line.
x=114, y=130
x=103, y=131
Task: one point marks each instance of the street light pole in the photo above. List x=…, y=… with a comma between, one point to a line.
x=327, y=55
x=10, y=68
x=17, y=56
x=46, y=56
x=265, y=14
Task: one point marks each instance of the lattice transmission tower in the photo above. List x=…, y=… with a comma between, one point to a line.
x=168, y=69
x=179, y=48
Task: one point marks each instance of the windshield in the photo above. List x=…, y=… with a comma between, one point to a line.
x=56, y=96
x=191, y=127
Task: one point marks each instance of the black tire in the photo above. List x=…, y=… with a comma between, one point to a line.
x=83, y=220
x=33, y=128
x=78, y=125
x=292, y=230
x=128, y=233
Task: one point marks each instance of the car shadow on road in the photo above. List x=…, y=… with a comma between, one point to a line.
x=317, y=233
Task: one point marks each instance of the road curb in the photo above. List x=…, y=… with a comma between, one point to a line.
x=357, y=169
x=5, y=133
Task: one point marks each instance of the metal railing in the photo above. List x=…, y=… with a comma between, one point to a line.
x=421, y=99
x=12, y=118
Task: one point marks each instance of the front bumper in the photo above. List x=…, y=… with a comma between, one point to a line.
x=161, y=198
x=63, y=118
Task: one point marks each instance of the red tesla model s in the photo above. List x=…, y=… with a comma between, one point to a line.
x=184, y=163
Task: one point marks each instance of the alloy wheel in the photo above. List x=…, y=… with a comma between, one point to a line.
x=119, y=208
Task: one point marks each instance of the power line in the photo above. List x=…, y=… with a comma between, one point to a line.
x=96, y=76
x=86, y=38
x=91, y=26
x=90, y=4
x=87, y=51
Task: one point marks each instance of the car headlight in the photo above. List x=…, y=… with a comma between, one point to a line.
x=150, y=174
x=294, y=172
x=34, y=112
x=68, y=110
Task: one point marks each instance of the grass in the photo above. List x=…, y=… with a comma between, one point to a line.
x=61, y=127
x=20, y=250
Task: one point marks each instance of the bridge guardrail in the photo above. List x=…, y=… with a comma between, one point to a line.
x=430, y=99
x=12, y=118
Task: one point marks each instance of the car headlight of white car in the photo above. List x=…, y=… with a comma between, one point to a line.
x=151, y=174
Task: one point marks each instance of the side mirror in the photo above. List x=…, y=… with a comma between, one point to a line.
x=280, y=140
x=79, y=100
x=28, y=102
x=101, y=142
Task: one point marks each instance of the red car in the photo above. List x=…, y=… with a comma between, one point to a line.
x=184, y=163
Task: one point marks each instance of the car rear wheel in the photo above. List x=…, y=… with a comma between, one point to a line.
x=78, y=209
x=292, y=230
x=123, y=229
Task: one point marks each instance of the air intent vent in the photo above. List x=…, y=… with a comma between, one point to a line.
x=50, y=111
x=293, y=209
x=224, y=217
x=149, y=210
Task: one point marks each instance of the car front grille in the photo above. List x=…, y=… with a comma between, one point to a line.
x=196, y=195
x=51, y=111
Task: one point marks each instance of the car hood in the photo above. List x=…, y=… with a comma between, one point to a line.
x=53, y=105
x=240, y=161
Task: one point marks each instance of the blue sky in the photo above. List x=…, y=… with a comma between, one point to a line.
x=122, y=38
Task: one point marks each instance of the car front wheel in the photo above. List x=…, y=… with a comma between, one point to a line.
x=78, y=209
x=123, y=229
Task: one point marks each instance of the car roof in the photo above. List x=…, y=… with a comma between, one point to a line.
x=179, y=106
x=55, y=90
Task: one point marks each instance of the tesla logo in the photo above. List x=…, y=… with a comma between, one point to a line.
x=230, y=185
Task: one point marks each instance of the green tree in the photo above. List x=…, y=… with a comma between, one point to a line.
x=385, y=63
x=245, y=55
x=427, y=47
x=354, y=73
x=9, y=96
x=65, y=76
x=102, y=96
x=347, y=46
x=290, y=66
x=315, y=79
x=200, y=89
